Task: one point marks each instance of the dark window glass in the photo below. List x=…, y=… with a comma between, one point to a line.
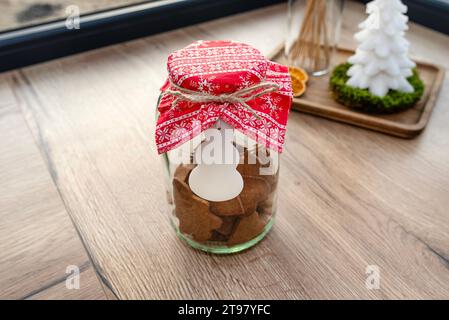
x=16, y=14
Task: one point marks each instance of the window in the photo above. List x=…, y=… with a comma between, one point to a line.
x=39, y=30
x=430, y=13
x=32, y=31
x=16, y=14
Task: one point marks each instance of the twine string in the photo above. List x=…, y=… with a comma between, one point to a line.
x=238, y=97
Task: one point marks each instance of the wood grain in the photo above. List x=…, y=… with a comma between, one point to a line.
x=90, y=289
x=318, y=100
x=349, y=198
x=37, y=239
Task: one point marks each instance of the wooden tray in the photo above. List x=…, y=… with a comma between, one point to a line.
x=318, y=100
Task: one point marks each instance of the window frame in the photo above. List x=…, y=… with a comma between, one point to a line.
x=34, y=44
x=433, y=14
x=30, y=45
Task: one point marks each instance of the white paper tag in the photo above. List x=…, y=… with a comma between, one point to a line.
x=216, y=178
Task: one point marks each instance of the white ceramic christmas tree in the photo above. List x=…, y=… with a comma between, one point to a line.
x=381, y=60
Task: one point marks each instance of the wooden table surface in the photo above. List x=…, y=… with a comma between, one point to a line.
x=81, y=184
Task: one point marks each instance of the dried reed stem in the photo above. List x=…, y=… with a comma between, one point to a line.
x=312, y=48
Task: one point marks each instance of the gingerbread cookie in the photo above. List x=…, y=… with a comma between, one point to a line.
x=255, y=190
x=193, y=213
x=246, y=229
x=233, y=221
x=267, y=208
x=182, y=172
x=233, y=207
x=227, y=226
x=216, y=236
x=249, y=164
x=272, y=180
x=252, y=166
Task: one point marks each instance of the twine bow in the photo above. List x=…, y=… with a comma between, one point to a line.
x=238, y=97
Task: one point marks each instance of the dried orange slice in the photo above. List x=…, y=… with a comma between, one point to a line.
x=298, y=87
x=299, y=73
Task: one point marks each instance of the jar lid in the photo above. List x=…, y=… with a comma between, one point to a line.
x=217, y=66
x=230, y=81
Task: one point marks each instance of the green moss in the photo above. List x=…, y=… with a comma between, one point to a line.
x=363, y=100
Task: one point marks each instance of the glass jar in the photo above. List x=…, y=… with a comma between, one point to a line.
x=222, y=118
x=223, y=226
x=313, y=33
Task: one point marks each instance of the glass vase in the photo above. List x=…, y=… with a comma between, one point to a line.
x=313, y=33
